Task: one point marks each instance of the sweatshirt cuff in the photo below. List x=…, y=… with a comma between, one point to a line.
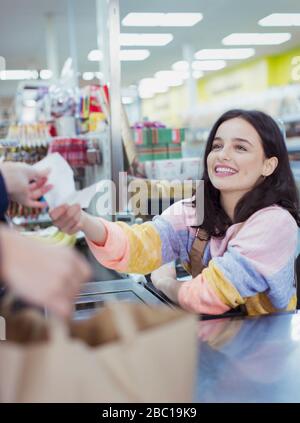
x=114, y=253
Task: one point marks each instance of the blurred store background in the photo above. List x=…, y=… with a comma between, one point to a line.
x=176, y=66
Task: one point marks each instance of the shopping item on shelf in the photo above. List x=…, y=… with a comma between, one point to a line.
x=91, y=113
x=29, y=135
x=157, y=143
x=124, y=353
x=73, y=150
x=174, y=169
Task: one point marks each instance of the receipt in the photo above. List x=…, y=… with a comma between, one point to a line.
x=62, y=178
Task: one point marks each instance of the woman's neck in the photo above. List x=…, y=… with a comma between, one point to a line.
x=228, y=201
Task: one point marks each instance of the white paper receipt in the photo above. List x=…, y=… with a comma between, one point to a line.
x=62, y=178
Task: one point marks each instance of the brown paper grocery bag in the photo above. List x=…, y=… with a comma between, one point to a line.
x=124, y=353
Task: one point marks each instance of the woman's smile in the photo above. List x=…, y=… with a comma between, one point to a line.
x=222, y=170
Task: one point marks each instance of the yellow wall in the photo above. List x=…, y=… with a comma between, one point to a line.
x=284, y=68
x=247, y=78
x=167, y=107
x=252, y=77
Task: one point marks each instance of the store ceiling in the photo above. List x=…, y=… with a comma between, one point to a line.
x=22, y=23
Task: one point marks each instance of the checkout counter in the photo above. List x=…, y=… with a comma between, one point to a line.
x=109, y=285
x=240, y=359
x=249, y=360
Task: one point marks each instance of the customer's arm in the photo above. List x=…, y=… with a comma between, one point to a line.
x=23, y=183
x=45, y=275
x=3, y=197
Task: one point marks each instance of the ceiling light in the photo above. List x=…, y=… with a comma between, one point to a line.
x=46, y=74
x=197, y=74
x=95, y=55
x=256, y=38
x=171, y=78
x=281, y=19
x=224, y=53
x=99, y=75
x=18, y=75
x=127, y=100
x=145, y=39
x=145, y=93
x=181, y=65
x=29, y=103
x=134, y=54
x=209, y=65
x=162, y=19
x=88, y=76
x=154, y=85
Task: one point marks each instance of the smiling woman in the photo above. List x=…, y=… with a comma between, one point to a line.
x=251, y=144
x=250, y=198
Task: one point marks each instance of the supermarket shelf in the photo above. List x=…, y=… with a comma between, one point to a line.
x=20, y=220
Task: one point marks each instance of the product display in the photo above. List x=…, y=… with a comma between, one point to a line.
x=156, y=142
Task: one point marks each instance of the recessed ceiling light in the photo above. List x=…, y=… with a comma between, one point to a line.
x=281, y=19
x=181, y=65
x=197, y=74
x=95, y=55
x=201, y=65
x=146, y=93
x=208, y=65
x=127, y=100
x=171, y=78
x=99, y=75
x=29, y=103
x=224, y=53
x=145, y=39
x=256, y=38
x=154, y=85
x=88, y=76
x=18, y=75
x=46, y=74
x=134, y=55
x=162, y=19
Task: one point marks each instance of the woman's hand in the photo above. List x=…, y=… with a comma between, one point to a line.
x=45, y=275
x=67, y=218
x=165, y=280
x=71, y=219
x=25, y=184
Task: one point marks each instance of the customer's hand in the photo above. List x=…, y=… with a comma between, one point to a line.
x=67, y=218
x=46, y=275
x=25, y=184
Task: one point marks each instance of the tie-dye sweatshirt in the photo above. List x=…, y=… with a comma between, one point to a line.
x=252, y=266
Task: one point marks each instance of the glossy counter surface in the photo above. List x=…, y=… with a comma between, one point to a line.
x=249, y=359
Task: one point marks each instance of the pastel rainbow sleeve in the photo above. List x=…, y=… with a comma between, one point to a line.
x=253, y=263
x=144, y=248
x=130, y=249
x=197, y=296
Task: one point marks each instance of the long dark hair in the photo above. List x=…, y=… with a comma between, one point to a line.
x=278, y=188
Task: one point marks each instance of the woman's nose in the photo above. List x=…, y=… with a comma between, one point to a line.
x=224, y=153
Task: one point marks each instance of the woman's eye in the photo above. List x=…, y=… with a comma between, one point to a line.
x=241, y=148
x=216, y=146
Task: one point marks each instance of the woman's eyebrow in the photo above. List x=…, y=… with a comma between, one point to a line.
x=242, y=140
x=234, y=139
